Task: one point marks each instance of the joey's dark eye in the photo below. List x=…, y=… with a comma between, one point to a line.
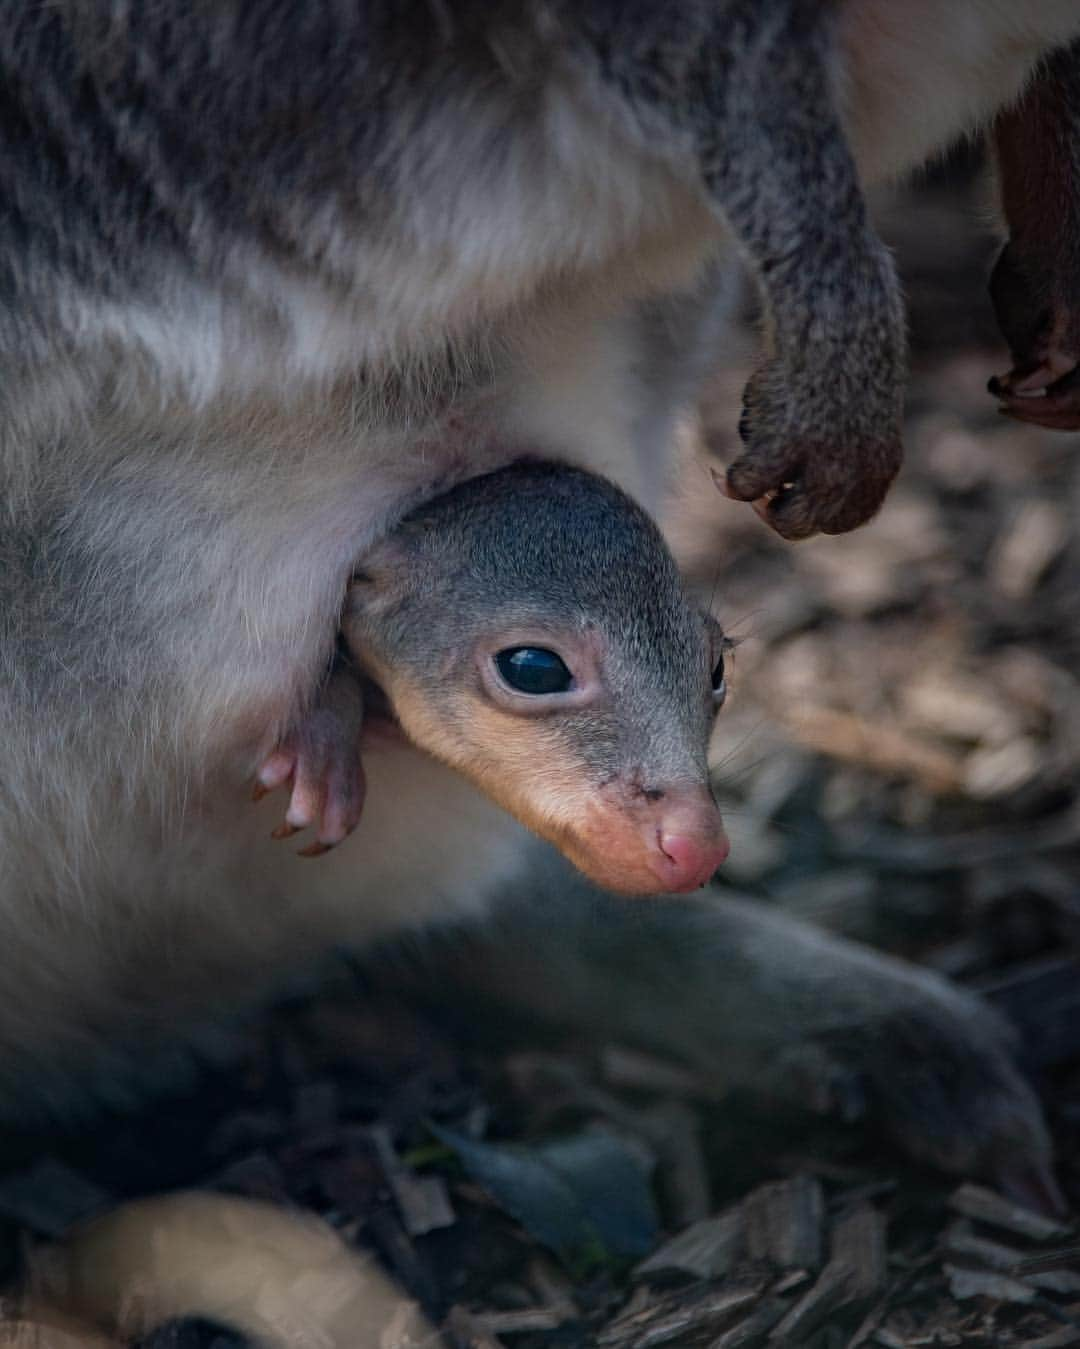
x=719, y=685
x=533, y=669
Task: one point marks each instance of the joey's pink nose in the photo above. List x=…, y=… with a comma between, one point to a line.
x=685, y=862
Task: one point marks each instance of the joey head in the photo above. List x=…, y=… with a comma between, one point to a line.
x=530, y=629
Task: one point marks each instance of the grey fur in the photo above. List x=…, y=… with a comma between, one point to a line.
x=542, y=544
x=822, y=414
x=272, y=274
x=751, y=999
x=108, y=136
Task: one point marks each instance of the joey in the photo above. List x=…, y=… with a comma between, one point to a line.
x=530, y=629
x=276, y=275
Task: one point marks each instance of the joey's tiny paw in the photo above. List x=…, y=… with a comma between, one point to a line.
x=943, y=1083
x=809, y=467
x=320, y=762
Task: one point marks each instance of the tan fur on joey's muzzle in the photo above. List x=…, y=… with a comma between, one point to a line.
x=647, y=842
x=633, y=839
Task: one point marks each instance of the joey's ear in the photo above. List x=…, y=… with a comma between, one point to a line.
x=380, y=580
x=383, y=564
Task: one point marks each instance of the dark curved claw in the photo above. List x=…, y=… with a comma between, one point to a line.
x=1057, y=407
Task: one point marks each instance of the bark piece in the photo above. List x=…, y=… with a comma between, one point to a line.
x=784, y=1223
x=706, y=1249
x=975, y=1201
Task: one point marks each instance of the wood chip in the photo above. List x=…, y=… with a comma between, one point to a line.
x=961, y=1239
x=673, y=1319
x=999, y=770
x=875, y=747
x=423, y=1201
x=968, y=1283
x=1057, y=1339
x=789, y=1282
x=464, y=1331
x=1034, y=540
x=1057, y=1273
x=1066, y=1258
x=519, y=1322
x=956, y=705
x=784, y=1223
x=813, y=1309
x=1065, y=1282
x=955, y=456
x=855, y=1272
x=857, y=584
x=706, y=1249
x=858, y=1242
x=975, y=1201
x=754, y=1330
x=888, y=1340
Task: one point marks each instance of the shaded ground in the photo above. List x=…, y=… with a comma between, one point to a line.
x=901, y=759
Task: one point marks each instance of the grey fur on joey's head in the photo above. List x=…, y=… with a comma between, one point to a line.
x=534, y=541
x=540, y=554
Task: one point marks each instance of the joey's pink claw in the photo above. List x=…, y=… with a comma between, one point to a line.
x=321, y=763
x=314, y=850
